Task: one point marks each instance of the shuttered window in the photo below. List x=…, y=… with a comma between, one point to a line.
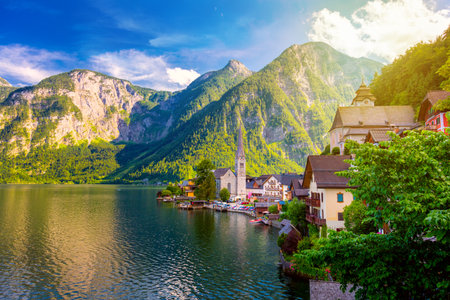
x=340, y=197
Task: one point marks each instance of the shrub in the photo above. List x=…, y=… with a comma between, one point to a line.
x=281, y=239
x=166, y=193
x=336, y=151
x=273, y=209
x=224, y=194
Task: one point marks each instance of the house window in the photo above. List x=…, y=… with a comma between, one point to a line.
x=438, y=121
x=321, y=197
x=340, y=216
x=340, y=197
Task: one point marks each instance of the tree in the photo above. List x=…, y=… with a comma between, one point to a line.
x=405, y=184
x=326, y=151
x=273, y=209
x=355, y=218
x=296, y=213
x=175, y=189
x=166, y=193
x=205, y=181
x=224, y=194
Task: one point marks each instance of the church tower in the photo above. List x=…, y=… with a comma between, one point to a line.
x=363, y=96
x=240, y=168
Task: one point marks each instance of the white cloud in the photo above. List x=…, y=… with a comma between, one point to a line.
x=142, y=69
x=28, y=65
x=380, y=28
x=170, y=40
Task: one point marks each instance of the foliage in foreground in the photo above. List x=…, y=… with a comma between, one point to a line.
x=405, y=184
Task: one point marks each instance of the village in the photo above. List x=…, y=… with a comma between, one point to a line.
x=323, y=191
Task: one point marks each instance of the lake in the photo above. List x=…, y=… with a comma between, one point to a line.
x=112, y=242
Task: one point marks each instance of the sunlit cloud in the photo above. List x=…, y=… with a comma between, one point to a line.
x=383, y=29
x=28, y=65
x=142, y=69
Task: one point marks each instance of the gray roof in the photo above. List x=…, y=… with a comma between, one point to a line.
x=218, y=173
x=373, y=116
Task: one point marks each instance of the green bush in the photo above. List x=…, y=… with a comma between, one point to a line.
x=273, y=209
x=281, y=239
x=305, y=244
x=336, y=151
x=324, y=231
x=313, y=231
x=166, y=193
x=224, y=194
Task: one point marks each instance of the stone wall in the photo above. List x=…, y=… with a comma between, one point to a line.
x=321, y=290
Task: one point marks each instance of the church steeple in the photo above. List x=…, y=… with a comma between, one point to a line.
x=240, y=167
x=363, y=96
x=240, y=147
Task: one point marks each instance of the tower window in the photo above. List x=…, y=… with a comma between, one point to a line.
x=241, y=165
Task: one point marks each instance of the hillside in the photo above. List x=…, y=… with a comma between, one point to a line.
x=414, y=73
x=81, y=125
x=150, y=124
x=285, y=110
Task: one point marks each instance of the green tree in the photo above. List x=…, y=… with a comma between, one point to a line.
x=356, y=220
x=205, y=181
x=326, y=151
x=203, y=169
x=405, y=184
x=166, y=193
x=296, y=213
x=273, y=209
x=175, y=189
x=224, y=194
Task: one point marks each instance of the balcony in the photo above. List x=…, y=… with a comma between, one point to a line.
x=312, y=202
x=315, y=220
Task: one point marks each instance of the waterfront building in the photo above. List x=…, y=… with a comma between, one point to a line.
x=285, y=180
x=188, y=187
x=327, y=191
x=434, y=120
x=354, y=122
x=225, y=178
x=234, y=182
x=296, y=190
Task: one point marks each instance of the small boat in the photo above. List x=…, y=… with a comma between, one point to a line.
x=256, y=221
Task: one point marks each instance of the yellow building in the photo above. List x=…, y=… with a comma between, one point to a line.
x=327, y=195
x=189, y=187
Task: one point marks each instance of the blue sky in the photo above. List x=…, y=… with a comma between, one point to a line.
x=167, y=44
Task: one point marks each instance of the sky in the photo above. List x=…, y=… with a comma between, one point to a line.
x=165, y=45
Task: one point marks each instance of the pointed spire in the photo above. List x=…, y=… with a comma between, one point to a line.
x=362, y=81
x=240, y=147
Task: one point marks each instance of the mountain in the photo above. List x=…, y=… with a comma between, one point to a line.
x=68, y=108
x=3, y=83
x=421, y=69
x=153, y=124
x=285, y=111
x=81, y=126
x=5, y=89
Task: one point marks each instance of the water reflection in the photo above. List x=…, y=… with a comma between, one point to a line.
x=119, y=242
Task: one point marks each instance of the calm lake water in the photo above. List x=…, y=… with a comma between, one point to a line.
x=112, y=242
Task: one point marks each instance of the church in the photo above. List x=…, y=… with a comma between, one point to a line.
x=233, y=181
x=355, y=121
